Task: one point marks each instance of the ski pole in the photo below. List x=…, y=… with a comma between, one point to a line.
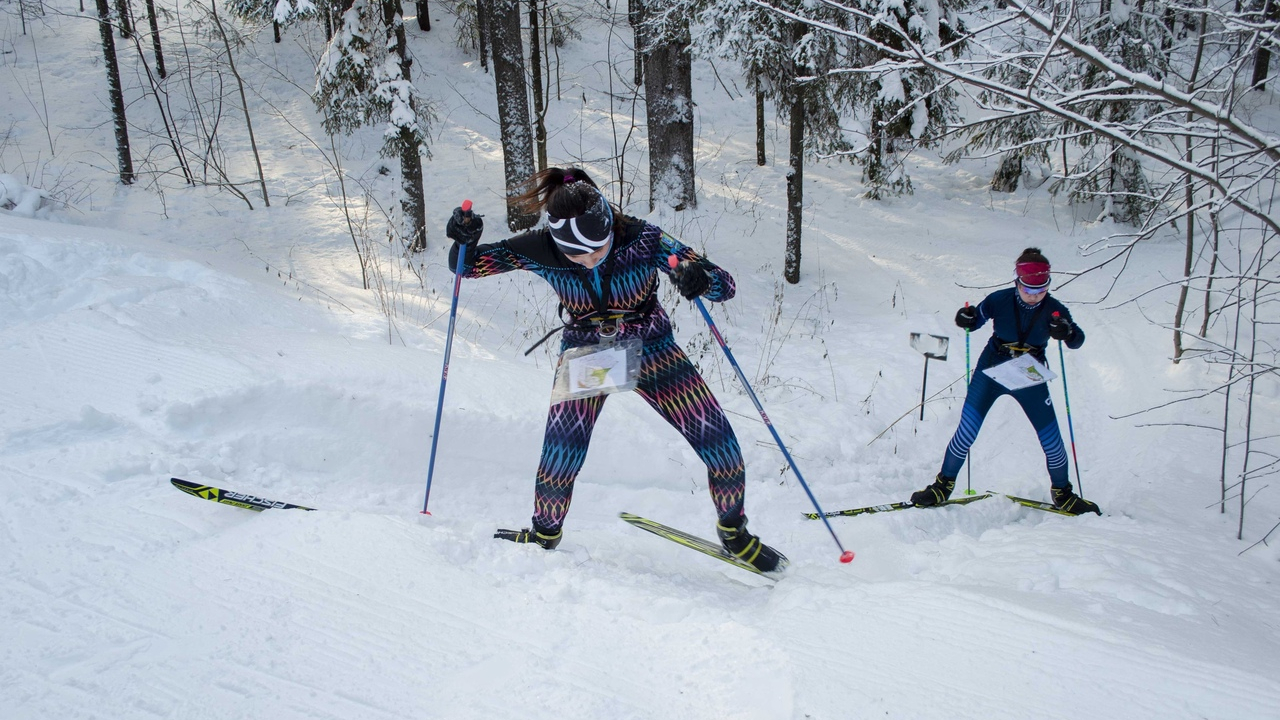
x=845, y=555
x=1066, y=396
x=448, y=349
x=968, y=463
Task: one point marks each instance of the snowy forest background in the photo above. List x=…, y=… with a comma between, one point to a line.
x=222, y=256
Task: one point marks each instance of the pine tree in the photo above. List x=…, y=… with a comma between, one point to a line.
x=904, y=107
x=1109, y=172
x=788, y=63
x=364, y=79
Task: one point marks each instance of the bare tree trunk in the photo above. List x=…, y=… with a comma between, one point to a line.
x=125, y=15
x=760, y=158
x=668, y=90
x=413, y=204
x=123, y=157
x=535, y=70
x=155, y=38
x=244, y=101
x=1248, y=413
x=1189, y=199
x=795, y=175
x=424, y=16
x=513, y=104
x=483, y=34
x=635, y=16
x=1266, y=13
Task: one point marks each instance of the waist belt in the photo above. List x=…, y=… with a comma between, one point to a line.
x=1008, y=349
x=606, y=324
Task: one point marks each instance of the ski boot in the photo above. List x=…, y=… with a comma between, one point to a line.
x=548, y=540
x=1065, y=499
x=743, y=545
x=936, y=492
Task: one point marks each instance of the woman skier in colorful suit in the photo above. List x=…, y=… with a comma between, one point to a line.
x=604, y=267
x=1025, y=318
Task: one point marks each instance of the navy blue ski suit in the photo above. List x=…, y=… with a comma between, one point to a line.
x=1018, y=328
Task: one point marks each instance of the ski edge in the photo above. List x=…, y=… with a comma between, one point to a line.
x=233, y=498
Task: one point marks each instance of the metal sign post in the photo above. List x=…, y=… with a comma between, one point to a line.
x=934, y=347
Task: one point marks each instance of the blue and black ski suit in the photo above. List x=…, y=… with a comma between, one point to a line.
x=1018, y=328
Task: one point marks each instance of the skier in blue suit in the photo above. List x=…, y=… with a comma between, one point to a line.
x=1024, y=317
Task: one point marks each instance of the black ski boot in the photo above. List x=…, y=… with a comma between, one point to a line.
x=547, y=539
x=1066, y=500
x=936, y=492
x=743, y=545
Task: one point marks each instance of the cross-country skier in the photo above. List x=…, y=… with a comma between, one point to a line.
x=604, y=267
x=1025, y=318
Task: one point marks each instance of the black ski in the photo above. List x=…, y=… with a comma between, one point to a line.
x=693, y=541
x=890, y=507
x=231, y=497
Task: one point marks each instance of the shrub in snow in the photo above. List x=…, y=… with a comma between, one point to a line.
x=18, y=198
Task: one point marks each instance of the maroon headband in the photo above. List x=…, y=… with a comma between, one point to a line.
x=1033, y=274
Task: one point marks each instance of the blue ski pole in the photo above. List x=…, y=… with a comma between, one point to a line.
x=968, y=463
x=1066, y=396
x=845, y=555
x=448, y=349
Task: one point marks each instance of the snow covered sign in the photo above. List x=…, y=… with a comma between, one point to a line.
x=934, y=347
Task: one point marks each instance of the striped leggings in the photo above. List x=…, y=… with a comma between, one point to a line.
x=1035, y=402
x=673, y=387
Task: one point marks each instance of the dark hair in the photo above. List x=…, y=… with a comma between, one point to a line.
x=562, y=193
x=1033, y=254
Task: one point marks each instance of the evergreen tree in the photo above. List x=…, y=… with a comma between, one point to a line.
x=903, y=107
x=1105, y=170
x=364, y=79
x=788, y=63
x=278, y=12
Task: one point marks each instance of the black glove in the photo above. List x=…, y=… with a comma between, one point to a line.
x=464, y=227
x=1061, y=328
x=967, y=317
x=690, y=279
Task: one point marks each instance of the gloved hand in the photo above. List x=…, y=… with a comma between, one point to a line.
x=464, y=227
x=1061, y=328
x=690, y=279
x=967, y=317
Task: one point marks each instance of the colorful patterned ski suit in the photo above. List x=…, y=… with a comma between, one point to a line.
x=627, y=282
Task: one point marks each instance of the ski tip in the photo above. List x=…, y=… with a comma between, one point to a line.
x=466, y=206
x=846, y=556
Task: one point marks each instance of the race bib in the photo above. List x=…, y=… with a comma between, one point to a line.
x=1020, y=372
x=593, y=370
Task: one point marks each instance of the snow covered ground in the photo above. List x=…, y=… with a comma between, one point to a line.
x=144, y=337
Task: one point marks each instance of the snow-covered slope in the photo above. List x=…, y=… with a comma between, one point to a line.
x=237, y=348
